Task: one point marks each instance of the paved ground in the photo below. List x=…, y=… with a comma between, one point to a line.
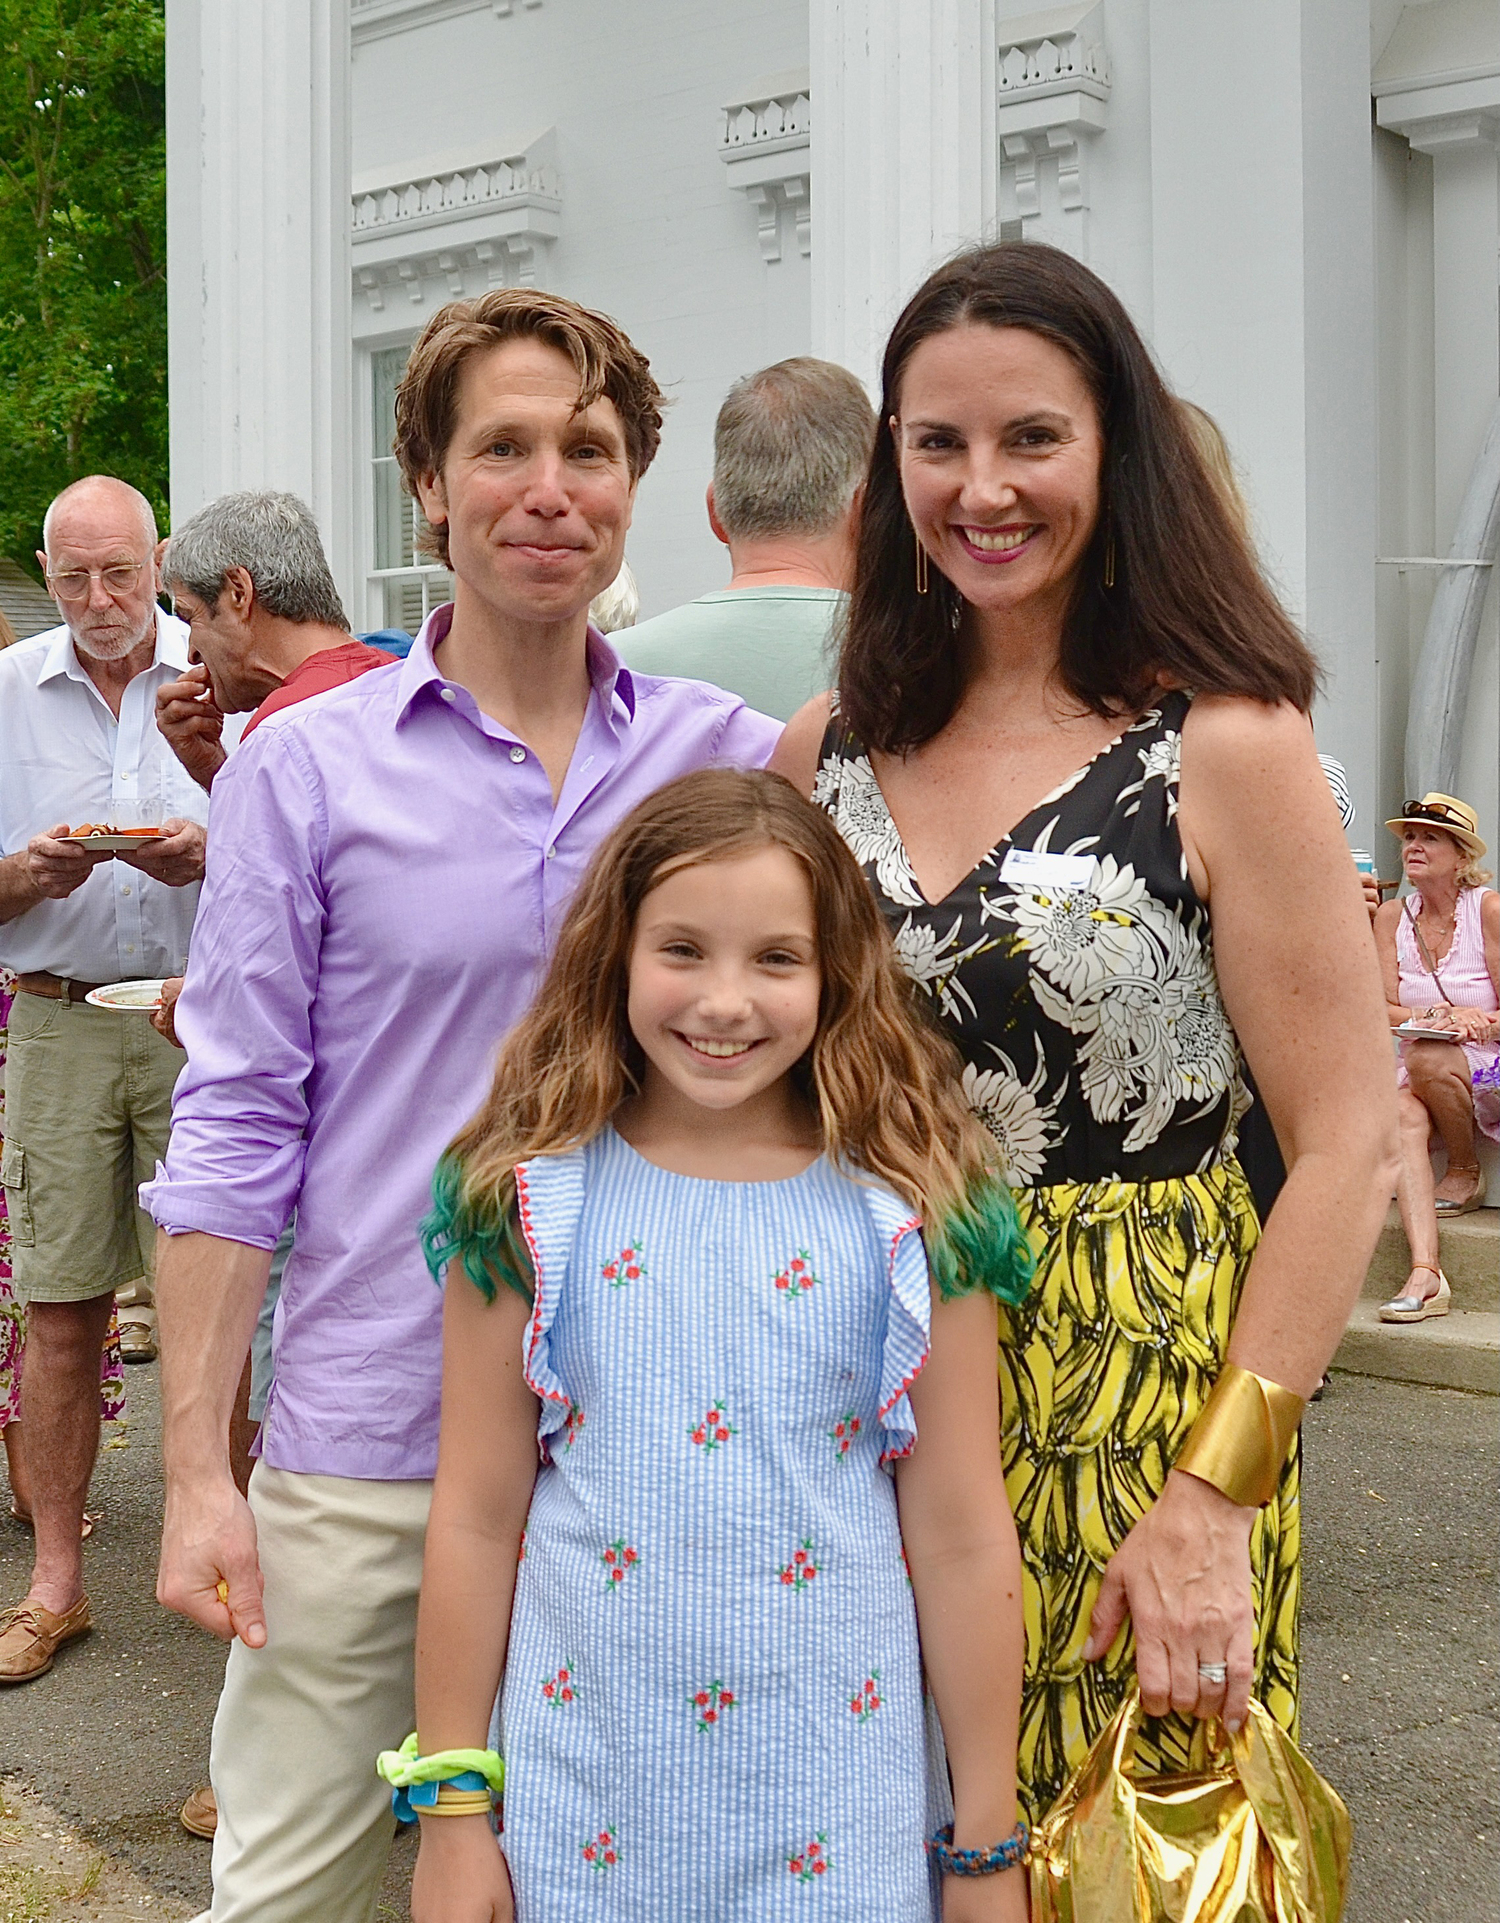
x=1401, y=1707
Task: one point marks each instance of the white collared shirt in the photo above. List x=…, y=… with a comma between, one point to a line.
x=64, y=757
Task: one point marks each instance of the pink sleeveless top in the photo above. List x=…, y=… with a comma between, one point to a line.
x=1461, y=973
x=1466, y=979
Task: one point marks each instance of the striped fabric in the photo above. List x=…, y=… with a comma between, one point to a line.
x=713, y=1702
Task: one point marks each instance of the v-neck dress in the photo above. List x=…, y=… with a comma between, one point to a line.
x=713, y=1701
x=1073, y=967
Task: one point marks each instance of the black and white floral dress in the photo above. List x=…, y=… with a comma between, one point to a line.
x=1073, y=967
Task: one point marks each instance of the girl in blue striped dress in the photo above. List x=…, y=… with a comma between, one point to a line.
x=725, y=1243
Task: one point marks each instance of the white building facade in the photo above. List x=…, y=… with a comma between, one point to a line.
x=1299, y=202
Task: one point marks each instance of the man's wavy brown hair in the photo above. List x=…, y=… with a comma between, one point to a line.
x=880, y=1078
x=608, y=363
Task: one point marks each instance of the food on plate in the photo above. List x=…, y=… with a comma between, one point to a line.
x=87, y=830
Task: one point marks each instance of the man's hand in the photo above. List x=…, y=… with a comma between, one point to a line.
x=177, y=860
x=209, y=1568
x=56, y=867
x=192, y=724
x=163, y=1016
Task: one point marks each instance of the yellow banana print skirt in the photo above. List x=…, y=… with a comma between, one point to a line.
x=1102, y=1371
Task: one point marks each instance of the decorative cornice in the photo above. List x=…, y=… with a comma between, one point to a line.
x=765, y=143
x=1437, y=116
x=374, y=19
x=458, y=219
x=1052, y=90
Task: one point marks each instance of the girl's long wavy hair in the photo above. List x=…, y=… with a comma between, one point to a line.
x=881, y=1079
x=1187, y=602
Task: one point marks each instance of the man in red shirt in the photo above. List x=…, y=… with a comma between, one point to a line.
x=267, y=629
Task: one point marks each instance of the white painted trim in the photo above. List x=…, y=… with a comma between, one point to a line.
x=375, y=19
x=765, y=143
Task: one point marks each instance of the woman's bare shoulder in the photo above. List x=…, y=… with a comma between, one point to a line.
x=796, y=753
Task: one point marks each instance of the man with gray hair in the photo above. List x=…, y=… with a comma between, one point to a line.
x=791, y=445
x=265, y=623
x=88, y=1095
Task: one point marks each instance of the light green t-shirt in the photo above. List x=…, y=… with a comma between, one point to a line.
x=773, y=647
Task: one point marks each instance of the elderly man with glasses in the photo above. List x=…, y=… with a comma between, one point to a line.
x=89, y=1091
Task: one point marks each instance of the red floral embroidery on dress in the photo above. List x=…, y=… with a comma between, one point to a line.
x=599, y=1851
x=709, y=1704
x=905, y=1566
x=843, y=1432
x=521, y=1551
x=714, y=1430
x=811, y=1861
x=797, y=1277
x=573, y=1425
x=867, y=1698
x=619, y=1559
x=628, y=1266
x=802, y=1568
x=558, y=1689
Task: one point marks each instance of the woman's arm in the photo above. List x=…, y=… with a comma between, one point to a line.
x=487, y=1462
x=796, y=754
x=1292, y=949
x=965, y=1568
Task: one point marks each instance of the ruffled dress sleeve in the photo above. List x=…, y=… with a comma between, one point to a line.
x=908, y=1331
x=549, y=1202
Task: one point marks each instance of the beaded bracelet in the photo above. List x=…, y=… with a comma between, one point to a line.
x=999, y=1856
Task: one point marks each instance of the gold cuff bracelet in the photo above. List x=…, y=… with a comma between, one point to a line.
x=1239, y=1442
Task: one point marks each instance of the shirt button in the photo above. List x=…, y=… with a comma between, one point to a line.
x=448, y=695
x=126, y=889
x=130, y=948
x=551, y=851
x=518, y=754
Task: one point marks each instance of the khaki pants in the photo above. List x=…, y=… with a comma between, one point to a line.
x=88, y=1107
x=305, y=1824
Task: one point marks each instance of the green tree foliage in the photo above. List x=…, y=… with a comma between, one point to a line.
x=83, y=287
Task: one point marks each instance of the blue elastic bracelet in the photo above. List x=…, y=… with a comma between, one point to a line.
x=999, y=1856
x=415, y=1797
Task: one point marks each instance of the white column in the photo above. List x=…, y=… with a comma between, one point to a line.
x=903, y=162
x=1263, y=272
x=258, y=235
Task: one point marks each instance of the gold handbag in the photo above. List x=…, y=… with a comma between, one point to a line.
x=1251, y=1834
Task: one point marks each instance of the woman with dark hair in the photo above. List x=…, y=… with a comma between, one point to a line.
x=1070, y=745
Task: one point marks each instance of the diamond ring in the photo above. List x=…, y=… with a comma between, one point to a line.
x=1214, y=1672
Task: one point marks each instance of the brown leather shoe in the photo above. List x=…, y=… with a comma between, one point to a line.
x=199, y=1815
x=30, y=1637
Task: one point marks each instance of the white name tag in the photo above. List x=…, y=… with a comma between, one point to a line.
x=1025, y=866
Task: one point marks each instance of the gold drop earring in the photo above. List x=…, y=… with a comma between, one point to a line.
x=921, y=563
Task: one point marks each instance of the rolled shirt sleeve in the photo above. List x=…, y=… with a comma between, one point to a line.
x=239, y=1114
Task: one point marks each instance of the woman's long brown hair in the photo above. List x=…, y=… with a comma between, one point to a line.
x=1188, y=601
x=880, y=1078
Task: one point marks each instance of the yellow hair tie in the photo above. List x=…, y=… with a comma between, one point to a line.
x=1240, y=1441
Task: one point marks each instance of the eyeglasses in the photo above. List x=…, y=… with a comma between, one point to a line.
x=77, y=584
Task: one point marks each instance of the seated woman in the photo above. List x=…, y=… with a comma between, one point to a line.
x=1440, y=954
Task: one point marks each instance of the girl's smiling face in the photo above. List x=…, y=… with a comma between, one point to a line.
x=724, y=977
x=999, y=448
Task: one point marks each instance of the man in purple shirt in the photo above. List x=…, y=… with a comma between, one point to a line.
x=388, y=867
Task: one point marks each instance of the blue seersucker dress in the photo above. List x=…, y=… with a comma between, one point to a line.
x=713, y=1703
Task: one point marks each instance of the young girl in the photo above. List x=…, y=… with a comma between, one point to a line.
x=685, y=1240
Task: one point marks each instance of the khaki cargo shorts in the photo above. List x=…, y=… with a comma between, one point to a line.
x=88, y=1107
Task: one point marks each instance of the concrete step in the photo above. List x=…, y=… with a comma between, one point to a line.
x=1469, y=1250
x=1456, y=1351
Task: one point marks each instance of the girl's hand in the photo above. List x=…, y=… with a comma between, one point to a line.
x=1003, y=1898
x=462, y=1875
x=1183, y=1576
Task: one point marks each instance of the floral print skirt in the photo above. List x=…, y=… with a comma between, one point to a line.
x=1103, y=1370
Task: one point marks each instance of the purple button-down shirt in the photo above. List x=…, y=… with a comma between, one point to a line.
x=387, y=872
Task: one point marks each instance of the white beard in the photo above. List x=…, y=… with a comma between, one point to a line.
x=110, y=645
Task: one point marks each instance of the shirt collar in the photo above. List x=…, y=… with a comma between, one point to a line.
x=61, y=658
x=612, y=680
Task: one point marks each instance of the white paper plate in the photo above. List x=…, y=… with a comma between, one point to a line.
x=127, y=998
x=112, y=844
